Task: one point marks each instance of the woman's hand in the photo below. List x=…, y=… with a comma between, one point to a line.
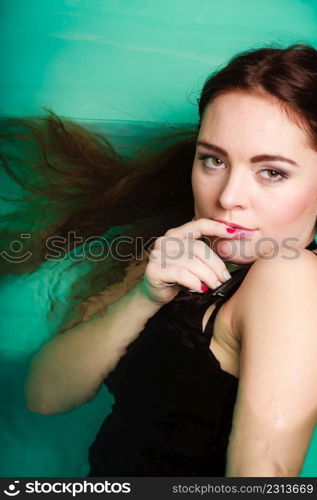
x=181, y=258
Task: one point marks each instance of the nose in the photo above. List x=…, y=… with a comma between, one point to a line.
x=234, y=192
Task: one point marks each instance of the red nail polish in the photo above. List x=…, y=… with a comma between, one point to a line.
x=204, y=288
x=230, y=230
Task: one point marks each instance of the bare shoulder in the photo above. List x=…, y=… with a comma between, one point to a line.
x=276, y=320
x=294, y=266
x=287, y=281
x=297, y=264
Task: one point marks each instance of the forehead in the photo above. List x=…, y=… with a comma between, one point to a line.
x=253, y=119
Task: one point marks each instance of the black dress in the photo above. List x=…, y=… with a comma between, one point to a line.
x=173, y=405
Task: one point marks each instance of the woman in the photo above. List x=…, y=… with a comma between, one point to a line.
x=221, y=382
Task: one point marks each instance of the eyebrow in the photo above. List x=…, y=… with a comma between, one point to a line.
x=254, y=159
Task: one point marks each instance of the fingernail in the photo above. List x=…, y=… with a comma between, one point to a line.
x=218, y=283
x=226, y=275
x=230, y=230
x=204, y=288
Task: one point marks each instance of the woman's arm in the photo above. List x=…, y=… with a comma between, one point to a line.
x=276, y=408
x=69, y=369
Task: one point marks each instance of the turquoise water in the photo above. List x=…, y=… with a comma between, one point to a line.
x=139, y=67
x=129, y=60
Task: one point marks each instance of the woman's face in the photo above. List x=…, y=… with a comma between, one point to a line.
x=276, y=198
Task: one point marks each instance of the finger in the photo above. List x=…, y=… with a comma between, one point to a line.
x=174, y=274
x=174, y=249
x=210, y=259
x=199, y=227
x=193, y=264
x=202, y=271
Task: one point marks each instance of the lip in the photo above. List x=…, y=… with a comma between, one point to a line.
x=232, y=224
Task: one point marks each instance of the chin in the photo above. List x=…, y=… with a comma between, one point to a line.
x=236, y=252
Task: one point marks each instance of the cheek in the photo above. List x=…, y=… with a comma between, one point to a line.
x=205, y=201
x=205, y=195
x=195, y=182
x=295, y=208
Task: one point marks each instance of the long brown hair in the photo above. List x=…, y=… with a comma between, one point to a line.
x=75, y=182
x=75, y=187
x=289, y=75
